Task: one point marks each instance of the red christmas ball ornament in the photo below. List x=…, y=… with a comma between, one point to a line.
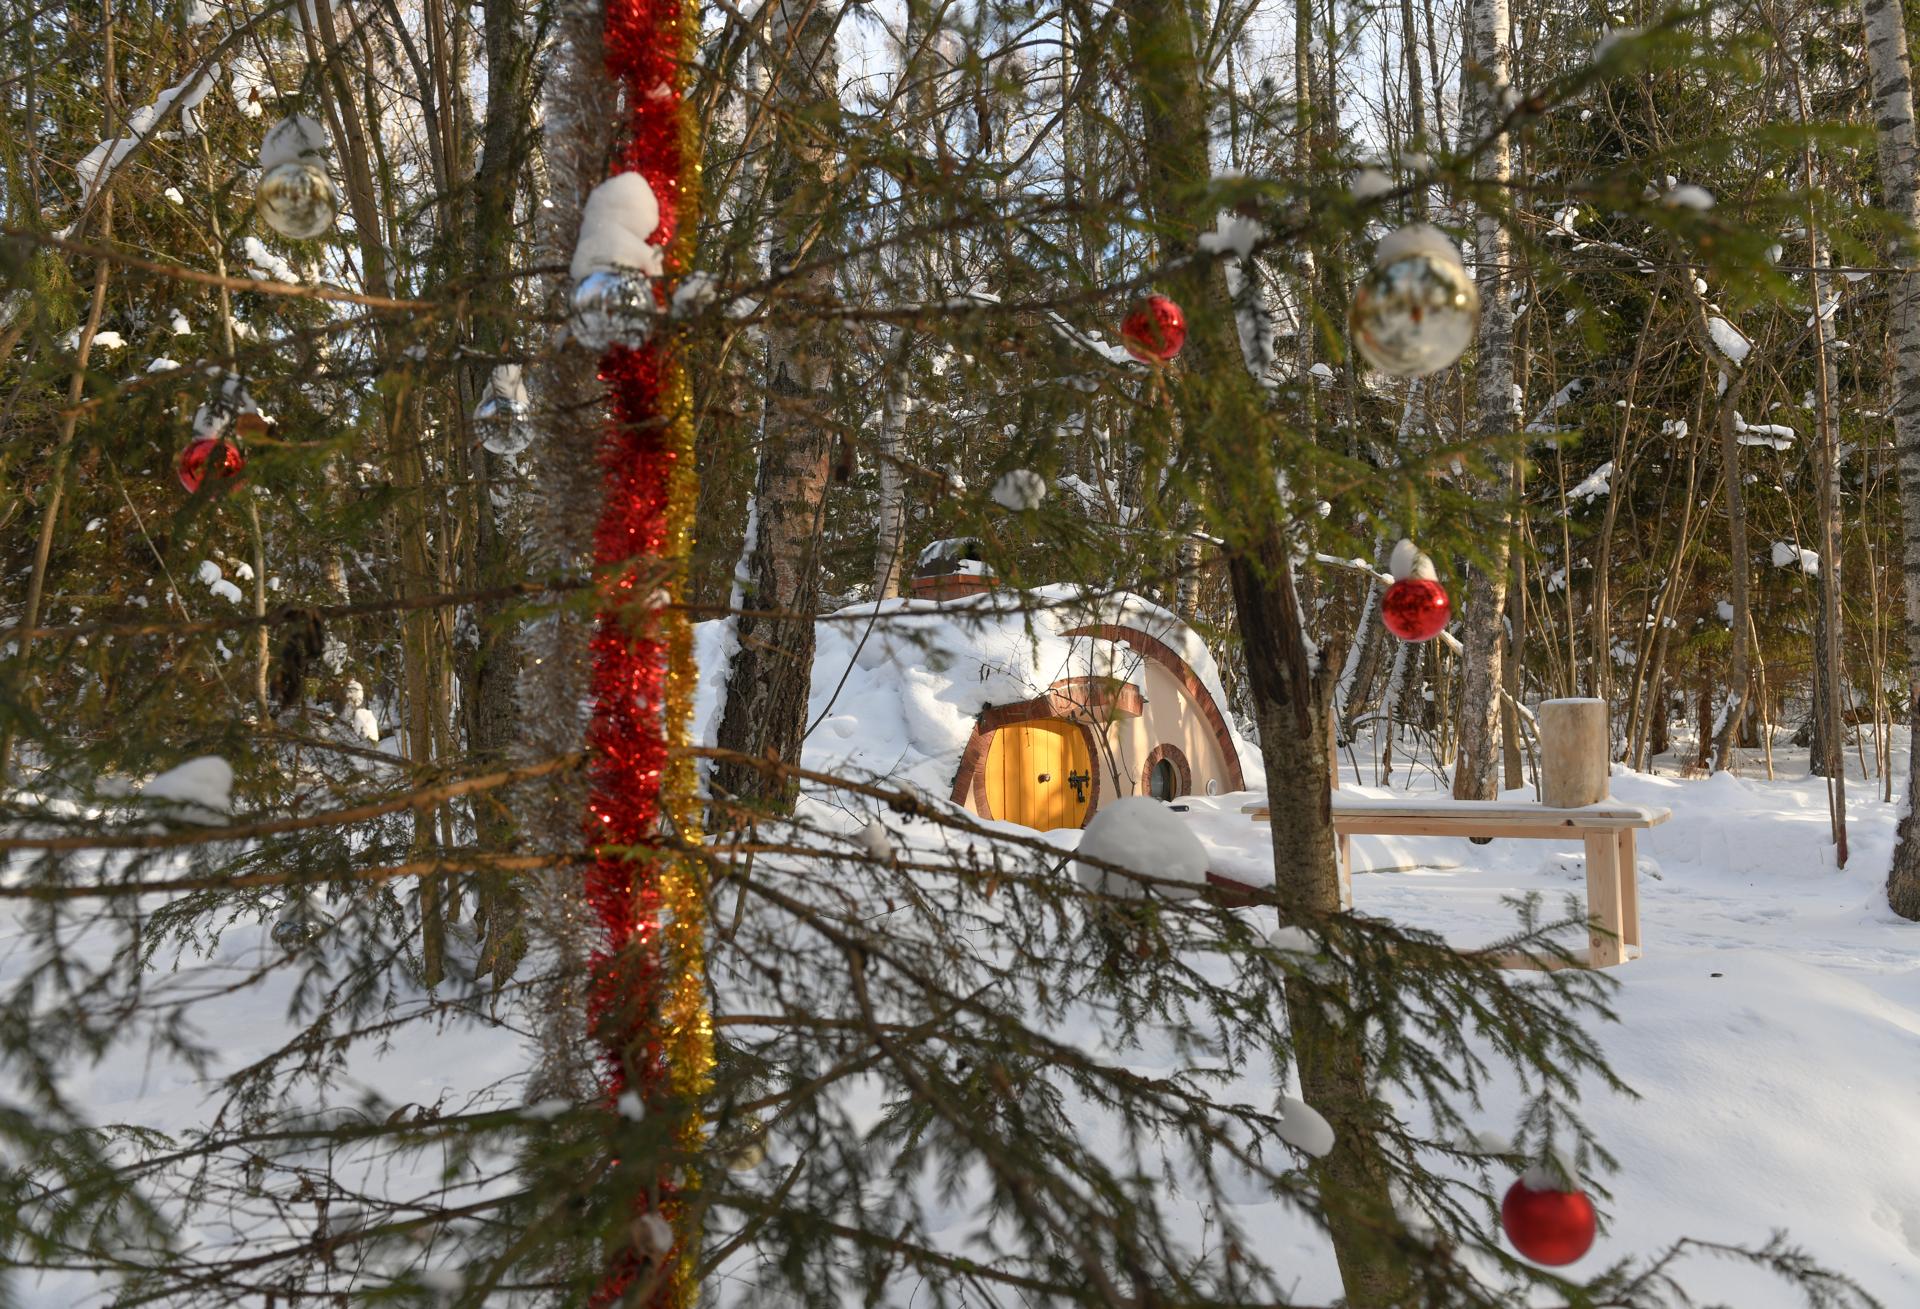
x=1154, y=330
x=1416, y=608
x=210, y=456
x=1547, y=1226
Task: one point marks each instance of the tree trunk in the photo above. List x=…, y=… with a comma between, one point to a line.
x=1218, y=405
x=1660, y=726
x=1513, y=658
x=489, y=670
x=1828, y=668
x=1814, y=734
x=1890, y=74
x=1739, y=556
x=1486, y=592
x=771, y=674
x=569, y=424
x=1416, y=99
x=1361, y=672
x=1703, y=736
x=890, y=514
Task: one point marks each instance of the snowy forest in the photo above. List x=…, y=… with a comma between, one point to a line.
x=959, y=653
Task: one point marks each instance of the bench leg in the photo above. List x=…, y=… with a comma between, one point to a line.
x=1629, y=888
x=1345, y=855
x=1604, y=938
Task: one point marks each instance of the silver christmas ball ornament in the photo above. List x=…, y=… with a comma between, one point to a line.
x=503, y=430
x=296, y=198
x=296, y=930
x=612, y=308
x=501, y=415
x=494, y=410
x=1416, y=310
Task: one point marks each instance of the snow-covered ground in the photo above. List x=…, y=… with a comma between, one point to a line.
x=1771, y=1030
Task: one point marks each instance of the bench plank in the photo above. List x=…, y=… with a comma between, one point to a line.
x=1606, y=830
x=1364, y=815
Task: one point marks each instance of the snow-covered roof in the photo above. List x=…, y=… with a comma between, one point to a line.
x=898, y=685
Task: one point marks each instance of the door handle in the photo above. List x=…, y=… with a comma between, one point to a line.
x=1078, y=781
x=1046, y=777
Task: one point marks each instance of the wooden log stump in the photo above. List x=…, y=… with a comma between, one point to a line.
x=1573, y=752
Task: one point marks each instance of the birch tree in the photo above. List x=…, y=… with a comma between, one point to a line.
x=1890, y=75
x=1489, y=70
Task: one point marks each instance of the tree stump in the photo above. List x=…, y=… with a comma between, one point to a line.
x=1573, y=752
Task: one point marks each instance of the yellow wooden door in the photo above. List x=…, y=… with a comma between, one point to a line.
x=1031, y=770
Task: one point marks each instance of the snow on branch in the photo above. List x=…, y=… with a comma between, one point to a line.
x=1542, y=421
x=1774, y=436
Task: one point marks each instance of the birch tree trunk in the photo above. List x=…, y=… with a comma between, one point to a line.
x=1890, y=75
x=1481, y=637
x=890, y=513
x=1514, y=658
x=1217, y=405
x=772, y=671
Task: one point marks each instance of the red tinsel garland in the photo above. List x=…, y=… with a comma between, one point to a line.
x=646, y=1006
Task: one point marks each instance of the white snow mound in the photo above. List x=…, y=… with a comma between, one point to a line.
x=1145, y=836
x=620, y=216
x=875, y=841
x=203, y=788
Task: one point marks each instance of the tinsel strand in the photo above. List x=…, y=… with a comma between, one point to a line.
x=647, y=1004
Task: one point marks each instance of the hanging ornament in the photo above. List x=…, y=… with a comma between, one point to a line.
x=1416, y=310
x=210, y=456
x=300, y=925
x=295, y=195
x=296, y=199
x=1415, y=607
x=501, y=414
x=615, y=262
x=1154, y=330
x=612, y=308
x=1546, y=1224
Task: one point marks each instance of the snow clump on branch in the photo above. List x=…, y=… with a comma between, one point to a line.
x=616, y=226
x=1018, y=489
x=198, y=791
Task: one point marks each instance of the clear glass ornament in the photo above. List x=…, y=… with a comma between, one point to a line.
x=296, y=930
x=503, y=429
x=1416, y=310
x=610, y=308
x=501, y=414
x=296, y=198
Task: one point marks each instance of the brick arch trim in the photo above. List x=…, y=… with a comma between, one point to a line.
x=1168, y=658
x=971, y=781
x=1182, y=770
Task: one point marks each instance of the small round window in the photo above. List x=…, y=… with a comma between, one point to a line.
x=1163, y=782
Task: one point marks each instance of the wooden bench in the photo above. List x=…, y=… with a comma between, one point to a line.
x=1607, y=829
